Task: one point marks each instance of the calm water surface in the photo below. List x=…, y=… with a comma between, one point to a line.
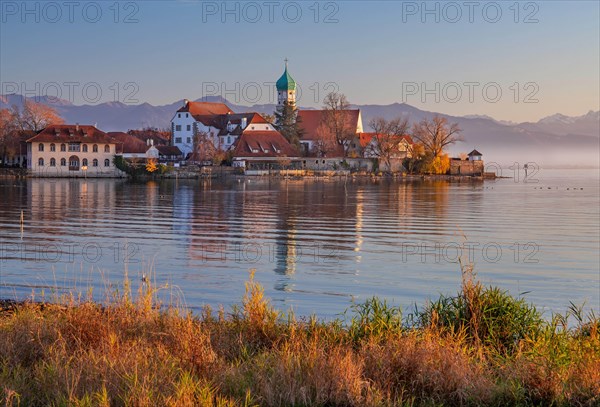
x=316, y=245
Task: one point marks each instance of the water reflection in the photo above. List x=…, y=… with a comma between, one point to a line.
x=314, y=243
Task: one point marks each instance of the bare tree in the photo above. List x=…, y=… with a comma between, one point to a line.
x=436, y=134
x=204, y=148
x=35, y=116
x=385, y=145
x=268, y=117
x=325, y=143
x=336, y=119
x=7, y=128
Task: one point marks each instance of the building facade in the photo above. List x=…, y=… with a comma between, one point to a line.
x=71, y=151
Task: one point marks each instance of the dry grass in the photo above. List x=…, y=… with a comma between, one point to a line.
x=480, y=347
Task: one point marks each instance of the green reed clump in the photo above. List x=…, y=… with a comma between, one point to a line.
x=486, y=315
x=374, y=318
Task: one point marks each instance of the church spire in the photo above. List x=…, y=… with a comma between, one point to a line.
x=286, y=87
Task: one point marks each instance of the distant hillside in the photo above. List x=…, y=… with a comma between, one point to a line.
x=554, y=140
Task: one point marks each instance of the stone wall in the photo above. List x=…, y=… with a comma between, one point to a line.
x=466, y=167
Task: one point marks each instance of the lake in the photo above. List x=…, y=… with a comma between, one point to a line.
x=316, y=245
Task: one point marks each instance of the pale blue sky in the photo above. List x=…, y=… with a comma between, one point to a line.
x=376, y=52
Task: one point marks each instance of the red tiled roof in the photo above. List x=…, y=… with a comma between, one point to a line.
x=71, y=133
x=205, y=108
x=310, y=120
x=128, y=144
x=263, y=144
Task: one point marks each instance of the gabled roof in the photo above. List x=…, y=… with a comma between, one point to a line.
x=474, y=152
x=310, y=120
x=128, y=144
x=71, y=133
x=205, y=108
x=257, y=144
x=169, y=150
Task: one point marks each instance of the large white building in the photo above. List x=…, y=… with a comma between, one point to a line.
x=215, y=121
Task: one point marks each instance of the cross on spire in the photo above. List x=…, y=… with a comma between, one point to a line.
x=286, y=61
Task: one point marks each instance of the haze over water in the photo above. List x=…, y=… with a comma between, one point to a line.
x=316, y=245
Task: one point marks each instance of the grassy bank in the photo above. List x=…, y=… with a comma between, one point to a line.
x=479, y=347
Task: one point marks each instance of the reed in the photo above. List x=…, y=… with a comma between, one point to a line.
x=478, y=347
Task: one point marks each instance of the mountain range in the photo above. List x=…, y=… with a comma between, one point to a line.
x=556, y=140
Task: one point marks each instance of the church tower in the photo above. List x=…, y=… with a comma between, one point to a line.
x=286, y=88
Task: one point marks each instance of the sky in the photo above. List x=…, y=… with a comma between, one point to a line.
x=517, y=61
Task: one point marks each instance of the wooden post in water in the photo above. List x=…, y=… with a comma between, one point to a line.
x=22, y=223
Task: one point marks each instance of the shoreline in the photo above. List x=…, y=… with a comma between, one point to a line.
x=309, y=176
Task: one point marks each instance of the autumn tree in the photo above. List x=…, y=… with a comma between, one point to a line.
x=388, y=135
x=35, y=116
x=288, y=123
x=436, y=134
x=336, y=119
x=151, y=165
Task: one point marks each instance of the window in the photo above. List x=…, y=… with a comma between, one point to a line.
x=63, y=147
x=179, y=115
x=95, y=148
x=53, y=147
x=178, y=127
x=73, y=163
x=84, y=148
x=41, y=148
x=188, y=127
x=189, y=140
x=178, y=140
x=52, y=162
x=84, y=162
x=63, y=162
x=228, y=140
x=186, y=115
x=74, y=147
x=94, y=162
x=41, y=162
x=107, y=148
x=107, y=163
